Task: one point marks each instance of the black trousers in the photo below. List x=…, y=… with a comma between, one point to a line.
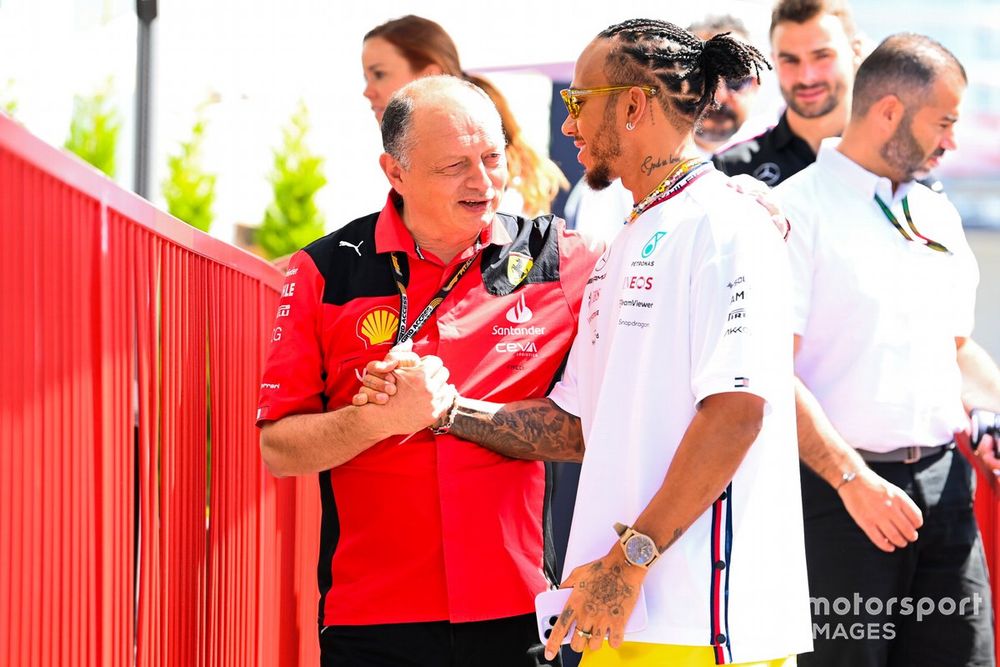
x=505, y=642
x=926, y=604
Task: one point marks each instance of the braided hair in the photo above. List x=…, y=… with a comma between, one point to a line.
x=661, y=54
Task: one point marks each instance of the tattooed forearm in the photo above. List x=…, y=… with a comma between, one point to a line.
x=535, y=429
x=673, y=538
x=649, y=165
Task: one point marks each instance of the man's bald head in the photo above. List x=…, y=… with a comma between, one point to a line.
x=905, y=65
x=431, y=94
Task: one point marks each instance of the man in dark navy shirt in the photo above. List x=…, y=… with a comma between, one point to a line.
x=816, y=52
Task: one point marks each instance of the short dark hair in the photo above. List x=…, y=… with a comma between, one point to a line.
x=904, y=65
x=718, y=24
x=685, y=69
x=800, y=11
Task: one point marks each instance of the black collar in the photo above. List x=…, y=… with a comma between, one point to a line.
x=782, y=134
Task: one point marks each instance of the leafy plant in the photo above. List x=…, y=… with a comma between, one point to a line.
x=8, y=104
x=94, y=129
x=188, y=189
x=292, y=220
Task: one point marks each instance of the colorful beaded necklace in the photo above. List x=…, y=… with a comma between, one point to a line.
x=675, y=180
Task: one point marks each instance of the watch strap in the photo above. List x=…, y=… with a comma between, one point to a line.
x=625, y=533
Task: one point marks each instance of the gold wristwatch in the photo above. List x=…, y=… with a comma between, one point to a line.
x=639, y=549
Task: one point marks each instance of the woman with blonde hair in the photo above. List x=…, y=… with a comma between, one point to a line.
x=410, y=47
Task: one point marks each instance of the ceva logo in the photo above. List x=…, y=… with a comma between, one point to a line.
x=519, y=312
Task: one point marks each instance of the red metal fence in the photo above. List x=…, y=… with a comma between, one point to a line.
x=988, y=515
x=137, y=524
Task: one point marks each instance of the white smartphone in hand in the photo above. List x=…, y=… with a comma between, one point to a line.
x=549, y=605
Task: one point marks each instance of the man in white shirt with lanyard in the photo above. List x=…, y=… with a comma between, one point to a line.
x=679, y=382
x=884, y=285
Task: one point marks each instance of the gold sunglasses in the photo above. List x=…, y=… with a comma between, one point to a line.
x=572, y=96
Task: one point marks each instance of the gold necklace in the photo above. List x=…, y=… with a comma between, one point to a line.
x=675, y=175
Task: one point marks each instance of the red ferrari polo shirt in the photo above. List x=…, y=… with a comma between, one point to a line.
x=433, y=528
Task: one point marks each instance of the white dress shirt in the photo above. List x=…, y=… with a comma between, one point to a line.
x=878, y=314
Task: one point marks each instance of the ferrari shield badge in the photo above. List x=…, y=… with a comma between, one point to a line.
x=518, y=266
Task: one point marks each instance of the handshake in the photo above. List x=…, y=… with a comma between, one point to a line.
x=413, y=390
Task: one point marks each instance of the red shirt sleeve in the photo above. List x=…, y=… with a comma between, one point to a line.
x=293, y=373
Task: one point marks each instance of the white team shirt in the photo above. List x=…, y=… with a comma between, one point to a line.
x=692, y=300
x=878, y=314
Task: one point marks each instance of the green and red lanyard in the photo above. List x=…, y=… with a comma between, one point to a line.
x=405, y=334
x=933, y=245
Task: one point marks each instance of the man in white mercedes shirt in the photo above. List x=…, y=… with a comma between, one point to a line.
x=679, y=382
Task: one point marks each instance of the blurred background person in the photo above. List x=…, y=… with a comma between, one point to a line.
x=816, y=50
x=401, y=50
x=734, y=100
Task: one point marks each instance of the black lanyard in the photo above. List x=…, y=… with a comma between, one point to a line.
x=405, y=334
x=933, y=245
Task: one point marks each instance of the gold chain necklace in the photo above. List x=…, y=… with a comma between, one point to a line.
x=678, y=172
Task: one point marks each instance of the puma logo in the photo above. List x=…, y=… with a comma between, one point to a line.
x=356, y=248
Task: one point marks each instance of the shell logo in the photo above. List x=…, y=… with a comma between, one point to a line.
x=378, y=326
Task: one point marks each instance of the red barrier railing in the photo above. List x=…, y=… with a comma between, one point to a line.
x=988, y=517
x=137, y=524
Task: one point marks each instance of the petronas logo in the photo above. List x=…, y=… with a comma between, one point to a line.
x=378, y=326
x=651, y=244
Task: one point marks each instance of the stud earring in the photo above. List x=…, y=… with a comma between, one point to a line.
x=629, y=126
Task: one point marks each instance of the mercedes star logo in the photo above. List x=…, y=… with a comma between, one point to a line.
x=768, y=173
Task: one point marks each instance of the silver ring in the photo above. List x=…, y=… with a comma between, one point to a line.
x=584, y=633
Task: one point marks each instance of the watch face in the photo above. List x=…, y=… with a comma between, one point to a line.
x=640, y=550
